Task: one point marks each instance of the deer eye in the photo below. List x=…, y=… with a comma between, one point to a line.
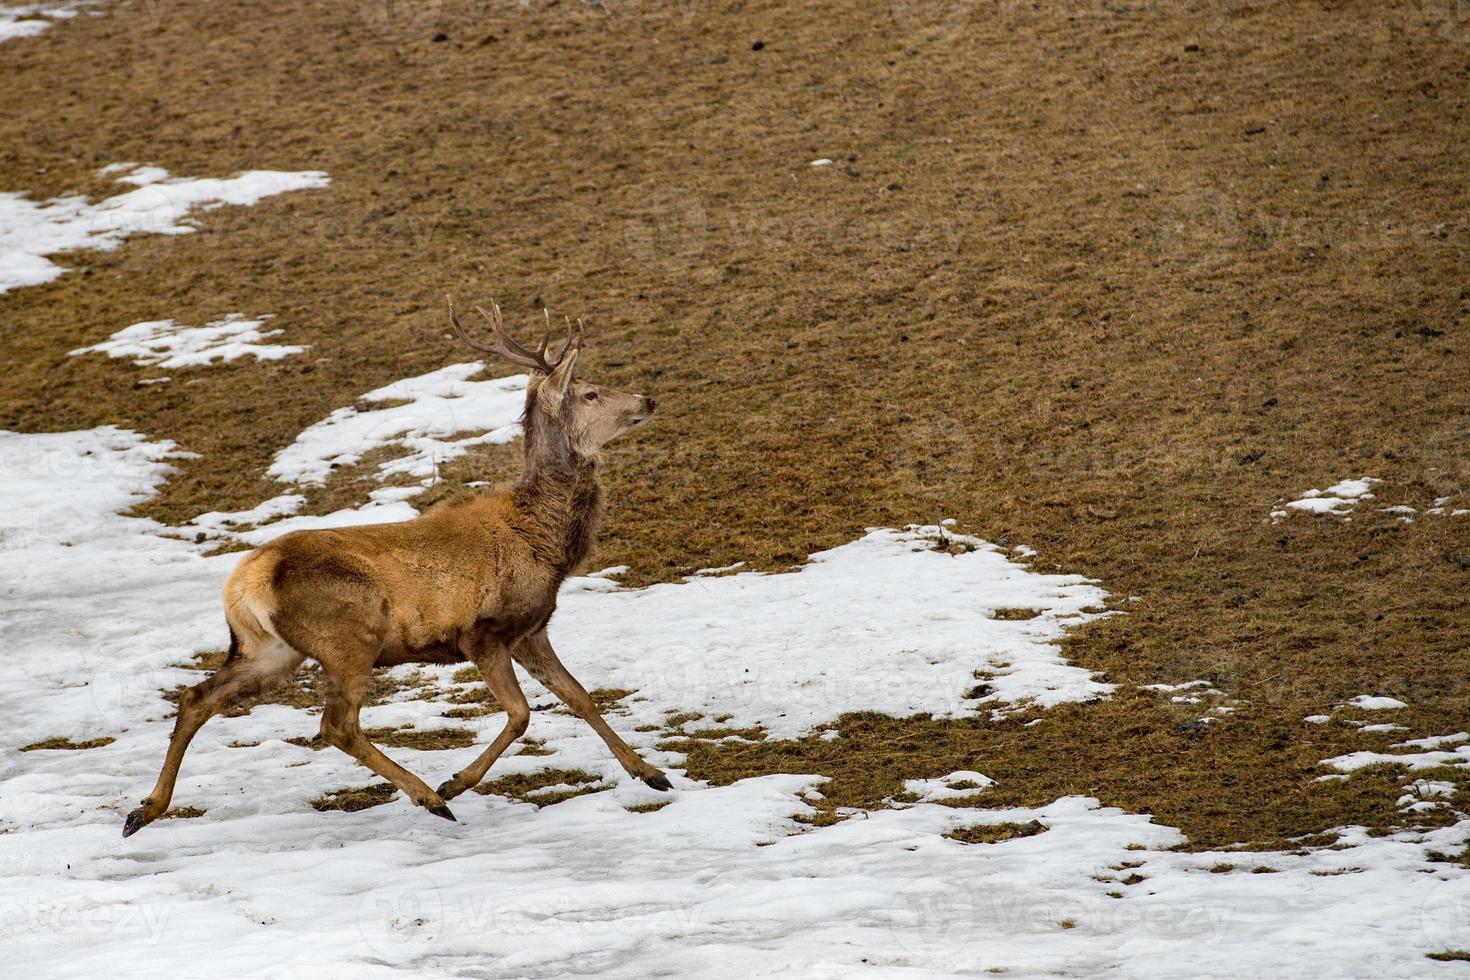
x=591, y=396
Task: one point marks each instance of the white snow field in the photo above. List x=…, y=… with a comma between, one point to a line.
x=97, y=608
x=166, y=344
x=157, y=205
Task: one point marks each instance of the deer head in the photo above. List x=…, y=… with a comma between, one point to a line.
x=586, y=416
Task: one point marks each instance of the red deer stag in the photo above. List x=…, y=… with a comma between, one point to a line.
x=469, y=580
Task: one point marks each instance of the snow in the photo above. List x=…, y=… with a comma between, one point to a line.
x=96, y=607
x=166, y=344
x=28, y=20
x=1432, y=756
x=426, y=411
x=158, y=204
x=1338, y=499
x=1434, y=741
x=951, y=787
x=1371, y=702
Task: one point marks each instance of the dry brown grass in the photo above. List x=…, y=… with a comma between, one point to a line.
x=523, y=786
x=994, y=833
x=1070, y=281
x=423, y=739
x=62, y=742
x=352, y=800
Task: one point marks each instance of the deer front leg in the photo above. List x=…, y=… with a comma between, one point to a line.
x=499, y=673
x=536, y=655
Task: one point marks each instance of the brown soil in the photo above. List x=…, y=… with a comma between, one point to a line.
x=1105, y=280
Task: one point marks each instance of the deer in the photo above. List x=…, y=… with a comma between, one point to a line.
x=472, y=579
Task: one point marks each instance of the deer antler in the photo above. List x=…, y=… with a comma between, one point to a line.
x=505, y=345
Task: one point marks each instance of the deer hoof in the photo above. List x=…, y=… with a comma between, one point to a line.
x=442, y=811
x=136, y=821
x=445, y=788
x=658, y=781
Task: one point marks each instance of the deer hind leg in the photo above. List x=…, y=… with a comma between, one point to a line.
x=536, y=655
x=341, y=728
x=243, y=675
x=499, y=673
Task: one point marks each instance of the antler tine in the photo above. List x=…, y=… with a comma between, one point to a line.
x=459, y=329
x=545, y=337
x=572, y=338
x=511, y=349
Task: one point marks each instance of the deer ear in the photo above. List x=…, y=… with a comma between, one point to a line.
x=555, y=387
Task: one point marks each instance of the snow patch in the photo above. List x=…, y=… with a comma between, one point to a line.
x=1371, y=702
x=28, y=20
x=166, y=344
x=955, y=786
x=1338, y=499
x=429, y=410
x=158, y=205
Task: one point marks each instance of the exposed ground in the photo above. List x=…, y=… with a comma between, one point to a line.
x=1108, y=282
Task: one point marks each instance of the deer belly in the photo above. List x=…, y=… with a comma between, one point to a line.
x=430, y=653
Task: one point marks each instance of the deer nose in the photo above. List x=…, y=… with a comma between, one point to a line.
x=649, y=404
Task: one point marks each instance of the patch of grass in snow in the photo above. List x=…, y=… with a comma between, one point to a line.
x=608, y=697
x=423, y=739
x=651, y=806
x=825, y=816
x=1016, y=614
x=183, y=813
x=62, y=742
x=479, y=695
x=755, y=733
x=471, y=711
x=994, y=833
x=352, y=800
x=1450, y=955
x=523, y=786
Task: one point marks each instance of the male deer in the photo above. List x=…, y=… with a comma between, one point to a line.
x=473, y=579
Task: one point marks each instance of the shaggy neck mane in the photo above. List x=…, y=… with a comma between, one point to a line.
x=558, y=494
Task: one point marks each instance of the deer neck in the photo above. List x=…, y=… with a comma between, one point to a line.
x=559, y=495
